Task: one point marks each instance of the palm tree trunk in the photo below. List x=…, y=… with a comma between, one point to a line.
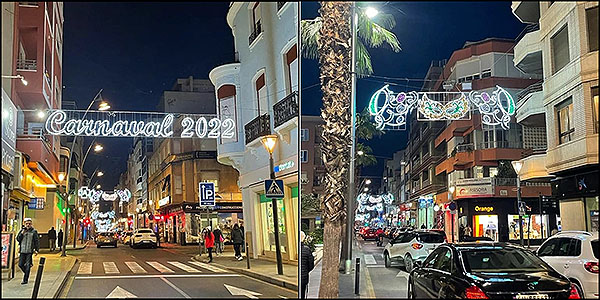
x=334, y=51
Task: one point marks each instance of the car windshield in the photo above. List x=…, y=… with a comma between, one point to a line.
x=144, y=231
x=595, y=247
x=495, y=260
x=431, y=238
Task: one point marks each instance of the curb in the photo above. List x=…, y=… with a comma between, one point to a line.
x=265, y=278
x=65, y=280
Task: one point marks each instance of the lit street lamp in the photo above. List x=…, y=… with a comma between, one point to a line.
x=368, y=181
x=100, y=173
x=98, y=187
x=517, y=165
x=360, y=152
x=269, y=141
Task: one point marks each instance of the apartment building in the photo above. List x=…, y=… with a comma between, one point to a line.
x=562, y=45
x=137, y=181
x=313, y=169
x=394, y=183
x=259, y=91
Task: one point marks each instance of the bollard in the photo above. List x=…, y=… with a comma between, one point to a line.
x=38, y=278
x=357, y=277
x=247, y=258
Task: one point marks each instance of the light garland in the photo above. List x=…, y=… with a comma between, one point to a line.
x=94, y=195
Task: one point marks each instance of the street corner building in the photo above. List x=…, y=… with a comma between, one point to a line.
x=260, y=91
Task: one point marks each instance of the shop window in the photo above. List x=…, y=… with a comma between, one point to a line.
x=591, y=16
x=486, y=225
x=537, y=230
x=565, y=120
x=595, y=110
x=268, y=228
x=560, y=49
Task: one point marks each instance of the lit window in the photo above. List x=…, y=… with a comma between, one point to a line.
x=565, y=116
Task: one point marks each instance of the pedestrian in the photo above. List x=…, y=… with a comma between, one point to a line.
x=60, y=239
x=307, y=264
x=209, y=242
x=379, y=234
x=30, y=243
x=218, y=241
x=52, y=239
x=423, y=226
x=237, y=237
x=468, y=231
x=553, y=232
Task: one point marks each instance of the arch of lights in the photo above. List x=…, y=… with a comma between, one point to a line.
x=96, y=195
x=368, y=203
x=495, y=108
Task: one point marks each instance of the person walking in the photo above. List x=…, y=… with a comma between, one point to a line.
x=60, y=239
x=218, y=241
x=237, y=237
x=307, y=264
x=30, y=243
x=52, y=239
x=468, y=231
x=423, y=226
x=209, y=242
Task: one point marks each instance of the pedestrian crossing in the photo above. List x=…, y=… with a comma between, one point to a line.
x=146, y=267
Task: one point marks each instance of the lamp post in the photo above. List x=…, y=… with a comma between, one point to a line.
x=517, y=166
x=269, y=141
x=451, y=189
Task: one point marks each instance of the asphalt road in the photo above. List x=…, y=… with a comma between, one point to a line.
x=385, y=282
x=124, y=272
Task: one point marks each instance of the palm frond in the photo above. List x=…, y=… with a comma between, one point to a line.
x=363, y=60
x=374, y=34
x=309, y=35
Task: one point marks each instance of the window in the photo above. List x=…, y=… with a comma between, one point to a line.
x=595, y=110
x=559, y=44
x=443, y=261
x=567, y=247
x=565, y=117
x=430, y=261
x=476, y=76
x=256, y=15
x=460, y=80
x=291, y=68
x=469, y=78
x=304, y=134
x=178, y=185
x=591, y=15
x=261, y=95
x=425, y=175
x=304, y=156
x=206, y=176
x=486, y=73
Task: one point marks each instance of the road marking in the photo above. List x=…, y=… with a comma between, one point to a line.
x=160, y=267
x=110, y=267
x=369, y=283
x=158, y=276
x=184, y=267
x=120, y=292
x=370, y=260
x=207, y=266
x=85, y=268
x=236, y=291
x=135, y=267
x=376, y=266
x=176, y=288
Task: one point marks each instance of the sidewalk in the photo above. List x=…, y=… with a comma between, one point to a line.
x=78, y=246
x=261, y=269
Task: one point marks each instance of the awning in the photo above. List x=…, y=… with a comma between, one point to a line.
x=41, y=172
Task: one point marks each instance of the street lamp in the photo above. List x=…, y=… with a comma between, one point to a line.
x=100, y=173
x=360, y=152
x=517, y=165
x=451, y=190
x=98, y=148
x=368, y=181
x=98, y=187
x=61, y=176
x=269, y=141
x=366, y=189
x=371, y=12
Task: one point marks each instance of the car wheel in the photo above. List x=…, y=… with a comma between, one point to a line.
x=408, y=263
x=386, y=257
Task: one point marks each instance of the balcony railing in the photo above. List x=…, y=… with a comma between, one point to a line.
x=536, y=87
x=258, y=127
x=529, y=28
x=501, y=144
x=257, y=30
x=286, y=109
x=280, y=4
x=462, y=148
x=26, y=64
x=504, y=181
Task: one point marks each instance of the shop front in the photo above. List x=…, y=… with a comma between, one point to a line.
x=578, y=197
x=426, y=212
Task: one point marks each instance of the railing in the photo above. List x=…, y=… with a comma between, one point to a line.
x=257, y=30
x=280, y=4
x=529, y=28
x=258, y=127
x=536, y=87
x=26, y=64
x=464, y=148
x=504, y=181
x=33, y=133
x=286, y=109
x=501, y=144
x=28, y=4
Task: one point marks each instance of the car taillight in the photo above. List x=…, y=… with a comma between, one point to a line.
x=474, y=292
x=591, y=266
x=417, y=246
x=574, y=294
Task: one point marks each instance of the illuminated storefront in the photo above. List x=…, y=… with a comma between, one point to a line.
x=285, y=215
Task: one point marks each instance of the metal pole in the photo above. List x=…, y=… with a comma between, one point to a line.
x=357, y=277
x=276, y=221
x=38, y=278
x=247, y=257
x=528, y=230
x=519, y=207
x=350, y=201
x=541, y=217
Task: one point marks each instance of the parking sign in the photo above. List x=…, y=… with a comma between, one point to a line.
x=206, y=193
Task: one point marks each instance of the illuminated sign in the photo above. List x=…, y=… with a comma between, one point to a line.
x=393, y=111
x=164, y=201
x=95, y=195
x=131, y=124
x=484, y=208
x=287, y=165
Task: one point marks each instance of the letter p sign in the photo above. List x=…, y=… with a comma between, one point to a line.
x=206, y=193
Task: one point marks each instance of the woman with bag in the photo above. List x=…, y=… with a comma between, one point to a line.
x=209, y=242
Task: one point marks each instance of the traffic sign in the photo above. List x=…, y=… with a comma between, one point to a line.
x=206, y=193
x=273, y=188
x=521, y=208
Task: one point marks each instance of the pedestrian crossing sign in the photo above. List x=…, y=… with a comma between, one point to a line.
x=274, y=188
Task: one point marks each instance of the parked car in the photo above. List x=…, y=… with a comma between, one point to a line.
x=143, y=237
x=487, y=271
x=106, y=238
x=574, y=254
x=477, y=239
x=412, y=246
x=370, y=234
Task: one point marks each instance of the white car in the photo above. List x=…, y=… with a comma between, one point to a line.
x=411, y=246
x=574, y=254
x=143, y=237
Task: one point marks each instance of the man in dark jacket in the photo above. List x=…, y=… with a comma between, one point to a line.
x=218, y=241
x=307, y=264
x=60, y=239
x=52, y=238
x=237, y=237
x=30, y=243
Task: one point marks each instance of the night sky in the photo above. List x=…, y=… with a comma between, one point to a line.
x=134, y=51
x=427, y=31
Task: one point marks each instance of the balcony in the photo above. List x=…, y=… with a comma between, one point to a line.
x=255, y=33
x=500, y=144
x=286, y=109
x=256, y=128
x=531, y=103
x=534, y=166
x=528, y=50
x=526, y=11
x=32, y=141
x=26, y=64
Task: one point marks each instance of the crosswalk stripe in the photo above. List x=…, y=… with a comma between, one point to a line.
x=159, y=267
x=207, y=266
x=135, y=267
x=184, y=267
x=85, y=268
x=370, y=260
x=110, y=267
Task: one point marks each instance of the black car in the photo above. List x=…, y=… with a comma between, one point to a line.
x=487, y=270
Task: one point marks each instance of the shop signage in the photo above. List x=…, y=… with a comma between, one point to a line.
x=36, y=203
x=9, y=133
x=196, y=207
x=164, y=201
x=484, y=208
x=287, y=165
x=195, y=155
x=7, y=248
x=549, y=205
x=474, y=187
x=134, y=124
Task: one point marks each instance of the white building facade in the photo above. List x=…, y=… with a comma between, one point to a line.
x=260, y=92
